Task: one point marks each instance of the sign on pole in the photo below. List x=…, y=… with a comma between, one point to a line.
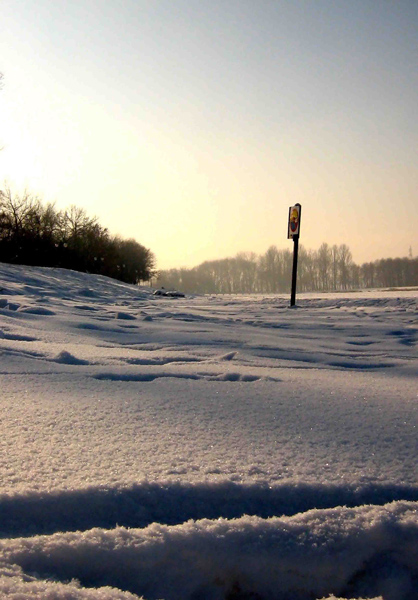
x=293, y=232
x=294, y=221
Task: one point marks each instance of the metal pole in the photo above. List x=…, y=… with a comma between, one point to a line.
x=295, y=269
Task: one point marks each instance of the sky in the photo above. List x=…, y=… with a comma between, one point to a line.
x=192, y=126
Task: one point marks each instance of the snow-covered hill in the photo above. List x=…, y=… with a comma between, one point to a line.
x=206, y=447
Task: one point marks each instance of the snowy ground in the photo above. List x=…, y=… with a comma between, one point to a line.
x=207, y=447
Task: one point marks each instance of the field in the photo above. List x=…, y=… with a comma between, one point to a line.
x=205, y=448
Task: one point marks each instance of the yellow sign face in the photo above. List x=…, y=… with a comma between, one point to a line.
x=294, y=221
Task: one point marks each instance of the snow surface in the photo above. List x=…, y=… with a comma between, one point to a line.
x=215, y=447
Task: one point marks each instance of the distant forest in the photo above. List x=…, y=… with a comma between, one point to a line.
x=330, y=268
x=32, y=233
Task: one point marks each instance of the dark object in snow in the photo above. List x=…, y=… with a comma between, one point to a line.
x=169, y=293
x=175, y=294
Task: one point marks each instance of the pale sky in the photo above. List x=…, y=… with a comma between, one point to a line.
x=193, y=125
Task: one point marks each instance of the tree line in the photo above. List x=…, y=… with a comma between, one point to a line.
x=33, y=233
x=330, y=268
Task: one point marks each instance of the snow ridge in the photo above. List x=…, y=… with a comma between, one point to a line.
x=172, y=503
x=343, y=551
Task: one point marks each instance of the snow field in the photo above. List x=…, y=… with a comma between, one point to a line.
x=206, y=447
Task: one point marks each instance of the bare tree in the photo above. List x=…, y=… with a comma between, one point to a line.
x=324, y=257
x=335, y=259
x=345, y=263
x=1, y=87
x=18, y=212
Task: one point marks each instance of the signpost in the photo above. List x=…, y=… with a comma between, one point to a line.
x=293, y=230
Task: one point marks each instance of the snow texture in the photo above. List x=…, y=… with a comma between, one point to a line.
x=214, y=447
